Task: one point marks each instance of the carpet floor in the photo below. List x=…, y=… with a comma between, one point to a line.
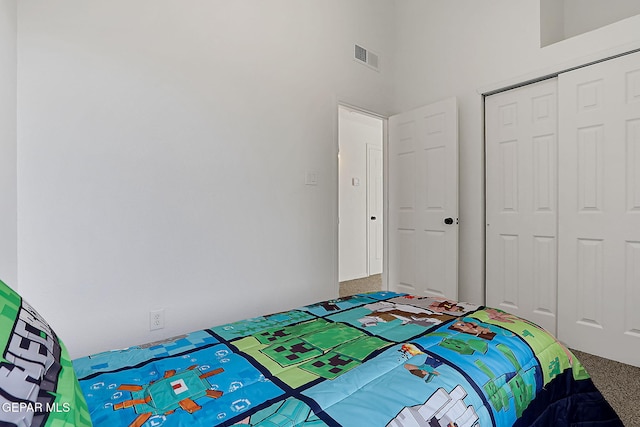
x=618, y=383
x=359, y=286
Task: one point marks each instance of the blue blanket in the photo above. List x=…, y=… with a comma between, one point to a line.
x=380, y=359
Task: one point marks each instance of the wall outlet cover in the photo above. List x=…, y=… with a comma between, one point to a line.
x=156, y=319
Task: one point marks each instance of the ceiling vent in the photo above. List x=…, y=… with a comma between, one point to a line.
x=366, y=57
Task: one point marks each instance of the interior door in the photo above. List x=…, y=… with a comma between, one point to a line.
x=521, y=202
x=423, y=200
x=599, y=209
x=374, y=209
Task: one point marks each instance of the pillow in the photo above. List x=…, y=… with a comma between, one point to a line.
x=38, y=386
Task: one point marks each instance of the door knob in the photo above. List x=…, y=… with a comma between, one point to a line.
x=448, y=221
x=373, y=218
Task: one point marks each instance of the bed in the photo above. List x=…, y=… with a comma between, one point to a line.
x=377, y=359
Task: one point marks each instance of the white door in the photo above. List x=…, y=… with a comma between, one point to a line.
x=374, y=209
x=423, y=200
x=521, y=202
x=599, y=209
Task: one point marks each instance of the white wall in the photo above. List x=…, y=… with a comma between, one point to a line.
x=356, y=130
x=562, y=19
x=581, y=16
x=8, y=199
x=455, y=48
x=551, y=21
x=162, y=150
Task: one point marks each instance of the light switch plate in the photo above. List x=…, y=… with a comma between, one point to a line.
x=311, y=178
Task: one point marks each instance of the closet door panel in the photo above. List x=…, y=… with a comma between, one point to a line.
x=521, y=202
x=599, y=214
x=632, y=290
x=545, y=274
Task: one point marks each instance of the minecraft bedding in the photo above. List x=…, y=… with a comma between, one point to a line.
x=38, y=386
x=380, y=359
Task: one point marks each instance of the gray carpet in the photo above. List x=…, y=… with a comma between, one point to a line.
x=358, y=286
x=619, y=383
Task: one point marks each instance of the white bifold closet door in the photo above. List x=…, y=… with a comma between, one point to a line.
x=599, y=209
x=521, y=202
x=563, y=208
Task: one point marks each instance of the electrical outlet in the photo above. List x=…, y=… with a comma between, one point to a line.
x=156, y=319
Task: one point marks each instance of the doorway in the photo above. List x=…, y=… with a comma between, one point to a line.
x=361, y=200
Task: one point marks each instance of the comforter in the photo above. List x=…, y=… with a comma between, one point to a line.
x=378, y=359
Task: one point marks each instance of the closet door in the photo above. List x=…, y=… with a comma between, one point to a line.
x=599, y=210
x=521, y=202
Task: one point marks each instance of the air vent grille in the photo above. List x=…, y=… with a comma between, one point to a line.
x=366, y=57
x=361, y=54
x=372, y=60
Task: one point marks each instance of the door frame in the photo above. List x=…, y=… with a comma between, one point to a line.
x=385, y=186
